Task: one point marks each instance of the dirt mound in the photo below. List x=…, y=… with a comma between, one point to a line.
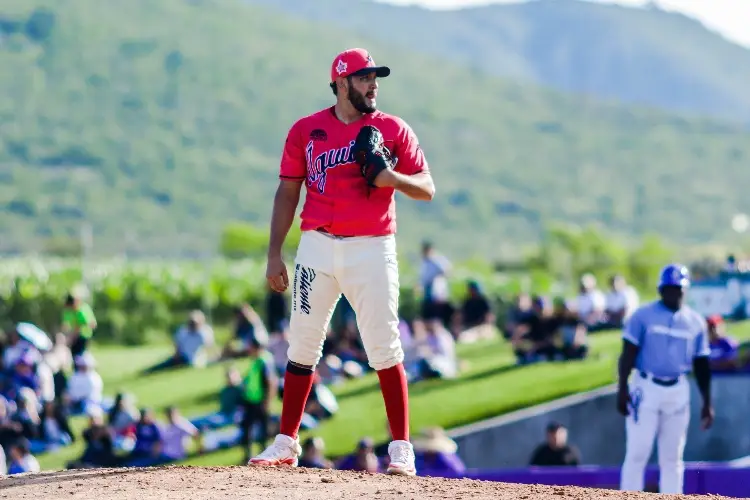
x=211, y=483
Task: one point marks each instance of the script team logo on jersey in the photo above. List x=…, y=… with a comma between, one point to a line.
x=317, y=167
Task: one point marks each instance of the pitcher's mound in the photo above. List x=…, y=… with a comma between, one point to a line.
x=213, y=483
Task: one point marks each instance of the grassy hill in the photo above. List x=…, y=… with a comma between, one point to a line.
x=637, y=55
x=161, y=121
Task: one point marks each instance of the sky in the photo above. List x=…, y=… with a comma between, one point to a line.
x=731, y=18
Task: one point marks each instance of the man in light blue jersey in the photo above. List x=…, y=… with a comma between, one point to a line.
x=663, y=341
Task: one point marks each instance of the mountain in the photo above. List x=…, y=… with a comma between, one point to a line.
x=637, y=55
x=161, y=122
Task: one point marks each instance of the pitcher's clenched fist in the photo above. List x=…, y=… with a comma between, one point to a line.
x=276, y=274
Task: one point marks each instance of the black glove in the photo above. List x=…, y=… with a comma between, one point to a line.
x=370, y=153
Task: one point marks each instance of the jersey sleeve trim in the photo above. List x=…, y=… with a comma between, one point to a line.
x=631, y=339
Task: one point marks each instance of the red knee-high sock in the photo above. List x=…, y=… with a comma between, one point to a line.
x=395, y=391
x=297, y=384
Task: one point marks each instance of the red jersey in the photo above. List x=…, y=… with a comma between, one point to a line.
x=318, y=151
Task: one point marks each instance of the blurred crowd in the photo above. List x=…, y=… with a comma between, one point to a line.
x=44, y=383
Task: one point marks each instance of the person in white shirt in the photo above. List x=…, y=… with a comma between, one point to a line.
x=21, y=459
x=85, y=386
x=590, y=303
x=621, y=301
x=435, y=350
x=192, y=342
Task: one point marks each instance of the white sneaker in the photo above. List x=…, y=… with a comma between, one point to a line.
x=402, y=458
x=283, y=451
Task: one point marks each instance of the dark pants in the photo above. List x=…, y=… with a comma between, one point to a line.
x=79, y=346
x=537, y=353
x=171, y=362
x=575, y=352
x=60, y=382
x=253, y=413
x=438, y=310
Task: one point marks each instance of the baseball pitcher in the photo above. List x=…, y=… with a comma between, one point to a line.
x=663, y=341
x=351, y=158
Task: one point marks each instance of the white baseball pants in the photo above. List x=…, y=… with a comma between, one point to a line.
x=365, y=270
x=661, y=413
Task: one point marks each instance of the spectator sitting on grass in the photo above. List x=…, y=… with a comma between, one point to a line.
x=15, y=347
x=724, y=349
x=533, y=339
x=191, y=343
x=100, y=448
x=148, y=439
x=349, y=348
x=85, y=385
x=54, y=426
x=27, y=414
x=123, y=416
x=312, y=454
x=475, y=320
x=518, y=314
x=248, y=326
x=10, y=428
x=572, y=331
x=21, y=459
x=321, y=404
x=174, y=433
x=230, y=397
x=230, y=404
x=435, y=350
x=24, y=374
x=620, y=302
x=590, y=303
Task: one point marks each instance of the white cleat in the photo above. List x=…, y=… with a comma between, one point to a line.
x=283, y=451
x=402, y=459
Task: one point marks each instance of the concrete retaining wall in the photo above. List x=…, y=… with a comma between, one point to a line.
x=598, y=431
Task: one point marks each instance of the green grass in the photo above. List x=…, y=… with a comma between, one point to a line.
x=489, y=385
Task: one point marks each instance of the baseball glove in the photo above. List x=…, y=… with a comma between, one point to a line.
x=370, y=153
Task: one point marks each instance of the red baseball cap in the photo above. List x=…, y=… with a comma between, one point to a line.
x=356, y=61
x=714, y=320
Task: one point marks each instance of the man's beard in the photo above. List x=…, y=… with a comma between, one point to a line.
x=358, y=101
